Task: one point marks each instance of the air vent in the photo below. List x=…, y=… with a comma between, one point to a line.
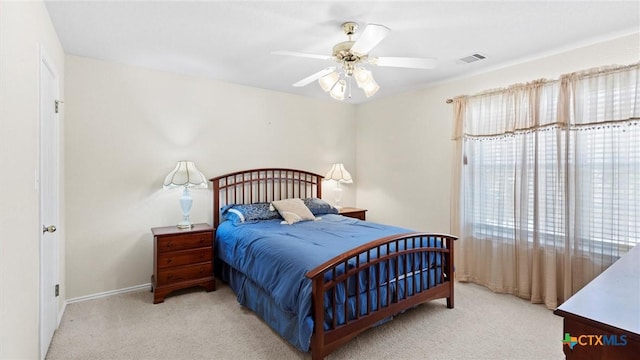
x=473, y=58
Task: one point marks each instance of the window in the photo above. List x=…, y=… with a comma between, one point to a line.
x=549, y=182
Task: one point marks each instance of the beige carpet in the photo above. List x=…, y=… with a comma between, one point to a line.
x=201, y=325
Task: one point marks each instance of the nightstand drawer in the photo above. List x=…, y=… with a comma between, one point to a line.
x=184, y=257
x=184, y=241
x=184, y=273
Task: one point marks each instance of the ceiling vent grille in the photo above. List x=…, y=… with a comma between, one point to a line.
x=473, y=58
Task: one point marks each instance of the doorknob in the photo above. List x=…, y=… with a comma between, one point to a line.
x=49, y=228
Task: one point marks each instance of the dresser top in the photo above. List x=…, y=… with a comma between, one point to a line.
x=613, y=297
x=173, y=230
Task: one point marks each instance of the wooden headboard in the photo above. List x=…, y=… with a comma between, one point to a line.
x=263, y=185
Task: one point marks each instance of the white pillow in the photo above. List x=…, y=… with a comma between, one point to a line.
x=293, y=210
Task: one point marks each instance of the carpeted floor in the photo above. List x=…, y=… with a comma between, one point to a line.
x=200, y=325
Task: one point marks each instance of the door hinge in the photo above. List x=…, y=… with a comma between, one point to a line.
x=58, y=102
x=57, y=290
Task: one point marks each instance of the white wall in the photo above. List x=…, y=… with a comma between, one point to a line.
x=404, y=151
x=125, y=129
x=24, y=28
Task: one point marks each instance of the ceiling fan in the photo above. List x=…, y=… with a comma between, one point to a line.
x=350, y=56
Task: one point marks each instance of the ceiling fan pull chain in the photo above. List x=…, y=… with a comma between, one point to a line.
x=349, y=79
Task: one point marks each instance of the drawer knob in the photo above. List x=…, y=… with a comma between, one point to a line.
x=170, y=244
x=201, y=270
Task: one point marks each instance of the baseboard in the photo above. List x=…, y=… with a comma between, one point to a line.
x=146, y=286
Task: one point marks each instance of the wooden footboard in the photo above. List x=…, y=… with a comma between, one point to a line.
x=358, y=289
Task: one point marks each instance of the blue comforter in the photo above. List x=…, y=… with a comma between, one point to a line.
x=276, y=257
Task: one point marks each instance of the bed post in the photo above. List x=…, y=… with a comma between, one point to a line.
x=317, y=340
x=450, y=272
x=216, y=202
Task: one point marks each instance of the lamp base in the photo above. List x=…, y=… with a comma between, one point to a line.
x=338, y=195
x=183, y=226
x=185, y=203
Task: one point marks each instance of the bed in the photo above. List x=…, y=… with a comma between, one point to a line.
x=321, y=283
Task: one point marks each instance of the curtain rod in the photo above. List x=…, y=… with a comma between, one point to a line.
x=449, y=101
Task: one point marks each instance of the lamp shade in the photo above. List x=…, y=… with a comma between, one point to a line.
x=186, y=174
x=365, y=81
x=328, y=81
x=338, y=90
x=339, y=173
x=362, y=76
x=370, y=88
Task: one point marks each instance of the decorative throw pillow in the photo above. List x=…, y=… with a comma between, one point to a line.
x=239, y=213
x=293, y=210
x=319, y=206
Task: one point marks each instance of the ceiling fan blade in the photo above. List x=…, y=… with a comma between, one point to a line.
x=405, y=62
x=299, y=54
x=370, y=37
x=309, y=79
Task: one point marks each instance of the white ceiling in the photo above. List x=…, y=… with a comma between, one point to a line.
x=231, y=41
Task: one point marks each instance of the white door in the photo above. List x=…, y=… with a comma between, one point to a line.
x=49, y=197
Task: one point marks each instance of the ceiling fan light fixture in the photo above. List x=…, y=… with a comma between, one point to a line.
x=327, y=82
x=365, y=81
x=370, y=88
x=363, y=76
x=350, y=55
x=338, y=90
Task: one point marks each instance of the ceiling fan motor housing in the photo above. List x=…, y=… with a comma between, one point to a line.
x=342, y=53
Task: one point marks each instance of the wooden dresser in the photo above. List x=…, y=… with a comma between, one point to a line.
x=354, y=213
x=603, y=318
x=181, y=259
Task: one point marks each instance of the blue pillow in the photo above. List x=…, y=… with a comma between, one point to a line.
x=239, y=213
x=319, y=206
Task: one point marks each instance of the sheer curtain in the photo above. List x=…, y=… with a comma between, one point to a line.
x=548, y=182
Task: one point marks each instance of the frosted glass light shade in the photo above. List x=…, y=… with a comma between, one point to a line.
x=328, y=81
x=337, y=86
x=371, y=88
x=365, y=81
x=338, y=90
x=362, y=76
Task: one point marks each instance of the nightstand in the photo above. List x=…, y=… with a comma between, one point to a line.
x=182, y=259
x=353, y=213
